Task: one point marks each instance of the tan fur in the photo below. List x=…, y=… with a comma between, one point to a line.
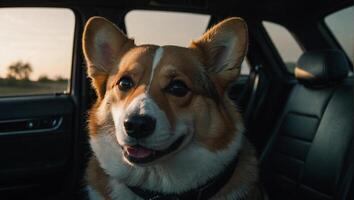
x=138, y=70
x=209, y=47
x=246, y=169
x=205, y=67
x=92, y=121
x=101, y=56
x=97, y=178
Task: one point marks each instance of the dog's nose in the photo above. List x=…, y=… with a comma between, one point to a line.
x=139, y=126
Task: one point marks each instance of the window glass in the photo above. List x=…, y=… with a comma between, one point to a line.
x=285, y=43
x=36, y=50
x=165, y=28
x=245, y=67
x=341, y=25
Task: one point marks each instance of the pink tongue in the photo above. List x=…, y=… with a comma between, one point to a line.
x=138, y=152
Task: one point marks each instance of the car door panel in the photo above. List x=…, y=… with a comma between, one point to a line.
x=36, y=135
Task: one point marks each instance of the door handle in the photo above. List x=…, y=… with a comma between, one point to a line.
x=48, y=123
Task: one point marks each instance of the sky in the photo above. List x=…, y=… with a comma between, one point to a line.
x=43, y=37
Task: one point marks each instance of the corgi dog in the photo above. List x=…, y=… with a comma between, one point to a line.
x=163, y=126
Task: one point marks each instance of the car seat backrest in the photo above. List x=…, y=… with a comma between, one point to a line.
x=306, y=154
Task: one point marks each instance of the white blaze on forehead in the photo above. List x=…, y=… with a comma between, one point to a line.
x=142, y=105
x=155, y=62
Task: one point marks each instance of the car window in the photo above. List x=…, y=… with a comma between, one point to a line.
x=245, y=67
x=341, y=25
x=36, y=50
x=165, y=28
x=285, y=43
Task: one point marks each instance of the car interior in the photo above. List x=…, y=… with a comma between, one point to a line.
x=298, y=113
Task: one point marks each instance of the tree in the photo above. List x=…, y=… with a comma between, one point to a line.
x=43, y=78
x=19, y=71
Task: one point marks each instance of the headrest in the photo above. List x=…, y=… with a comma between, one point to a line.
x=321, y=68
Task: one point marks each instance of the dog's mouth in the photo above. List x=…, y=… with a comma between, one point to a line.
x=142, y=155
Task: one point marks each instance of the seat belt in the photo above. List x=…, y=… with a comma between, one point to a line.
x=254, y=83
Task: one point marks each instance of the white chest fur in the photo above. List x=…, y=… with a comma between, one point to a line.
x=187, y=169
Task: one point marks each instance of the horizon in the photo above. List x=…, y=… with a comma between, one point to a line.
x=46, y=45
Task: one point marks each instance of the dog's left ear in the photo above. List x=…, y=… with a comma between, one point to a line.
x=223, y=49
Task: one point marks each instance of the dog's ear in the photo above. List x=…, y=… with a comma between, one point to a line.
x=103, y=45
x=223, y=49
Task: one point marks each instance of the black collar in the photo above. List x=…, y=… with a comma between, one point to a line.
x=204, y=191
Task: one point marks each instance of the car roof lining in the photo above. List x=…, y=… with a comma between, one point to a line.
x=273, y=10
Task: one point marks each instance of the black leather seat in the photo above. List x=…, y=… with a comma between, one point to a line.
x=308, y=153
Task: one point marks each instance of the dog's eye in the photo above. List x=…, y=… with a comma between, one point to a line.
x=125, y=83
x=177, y=88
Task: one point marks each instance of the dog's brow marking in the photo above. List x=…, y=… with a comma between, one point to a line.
x=155, y=62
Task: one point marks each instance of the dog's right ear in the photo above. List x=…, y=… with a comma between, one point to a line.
x=103, y=45
x=223, y=48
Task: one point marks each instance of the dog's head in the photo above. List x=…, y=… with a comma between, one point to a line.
x=154, y=100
